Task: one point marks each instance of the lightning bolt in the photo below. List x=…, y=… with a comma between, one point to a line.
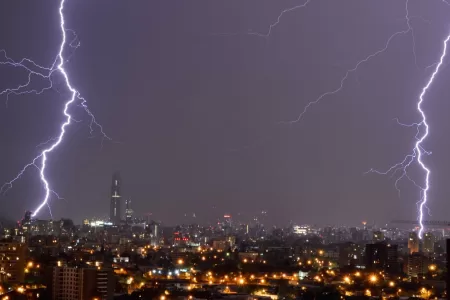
x=280, y=16
x=271, y=26
x=369, y=57
x=348, y=72
x=344, y=78
x=422, y=128
x=35, y=70
x=418, y=152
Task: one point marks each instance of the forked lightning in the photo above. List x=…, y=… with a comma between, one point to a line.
x=47, y=73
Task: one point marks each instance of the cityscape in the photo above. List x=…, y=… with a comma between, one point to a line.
x=130, y=257
x=248, y=150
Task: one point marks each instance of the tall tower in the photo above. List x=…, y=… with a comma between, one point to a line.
x=114, y=212
x=128, y=211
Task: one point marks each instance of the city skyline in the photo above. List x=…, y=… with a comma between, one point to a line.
x=194, y=113
x=224, y=150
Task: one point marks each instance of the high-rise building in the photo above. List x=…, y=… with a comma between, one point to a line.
x=12, y=262
x=350, y=254
x=81, y=283
x=428, y=243
x=382, y=256
x=376, y=256
x=413, y=243
x=115, y=212
x=26, y=218
x=25, y=226
x=417, y=264
x=154, y=229
x=393, y=265
x=128, y=211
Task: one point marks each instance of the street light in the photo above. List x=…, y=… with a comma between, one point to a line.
x=373, y=278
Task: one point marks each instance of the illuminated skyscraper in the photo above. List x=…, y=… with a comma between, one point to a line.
x=428, y=243
x=25, y=224
x=115, y=212
x=128, y=211
x=413, y=243
x=417, y=265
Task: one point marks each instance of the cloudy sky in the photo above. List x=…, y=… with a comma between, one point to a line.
x=193, y=103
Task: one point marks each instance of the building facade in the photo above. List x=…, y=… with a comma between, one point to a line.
x=413, y=243
x=12, y=262
x=417, y=265
x=428, y=243
x=376, y=256
x=128, y=212
x=81, y=283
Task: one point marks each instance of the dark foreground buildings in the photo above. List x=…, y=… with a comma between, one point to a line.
x=80, y=283
x=382, y=256
x=448, y=268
